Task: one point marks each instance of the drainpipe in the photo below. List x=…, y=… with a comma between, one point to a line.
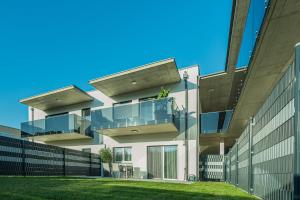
x=185, y=78
x=32, y=123
x=198, y=129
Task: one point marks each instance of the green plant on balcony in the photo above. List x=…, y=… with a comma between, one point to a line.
x=163, y=93
x=161, y=108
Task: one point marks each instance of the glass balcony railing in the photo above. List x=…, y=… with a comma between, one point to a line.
x=150, y=112
x=62, y=124
x=256, y=13
x=215, y=122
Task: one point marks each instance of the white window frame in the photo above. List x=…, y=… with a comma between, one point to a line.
x=123, y=154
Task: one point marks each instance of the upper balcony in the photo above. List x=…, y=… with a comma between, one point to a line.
x=62, y=127
x=153, y=116
x=215, y=122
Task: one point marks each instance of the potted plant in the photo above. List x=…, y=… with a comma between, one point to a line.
x=161, y=108
x=106, y=158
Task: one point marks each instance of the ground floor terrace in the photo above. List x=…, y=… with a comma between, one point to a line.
x=75, y=188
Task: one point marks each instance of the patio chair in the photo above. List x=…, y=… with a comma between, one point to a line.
x=122, y=170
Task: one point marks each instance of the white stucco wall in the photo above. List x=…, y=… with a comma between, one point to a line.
x=139, y=143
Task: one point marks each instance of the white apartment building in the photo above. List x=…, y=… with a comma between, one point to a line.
x=157, y=137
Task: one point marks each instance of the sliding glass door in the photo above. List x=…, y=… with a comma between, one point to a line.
x=170, y=162
x=154, y=162
x=162, y=162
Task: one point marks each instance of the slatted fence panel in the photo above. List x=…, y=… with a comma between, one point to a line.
x=269, y=148
x=273, y=142
x=212, y=167
x=20, y=157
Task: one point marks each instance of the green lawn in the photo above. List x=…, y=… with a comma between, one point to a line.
x=84, y=188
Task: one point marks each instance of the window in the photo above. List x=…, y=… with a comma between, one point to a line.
x=147, y=98
x=57, y=115
x=122, y=154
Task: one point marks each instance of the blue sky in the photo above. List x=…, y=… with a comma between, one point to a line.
x=46, y=45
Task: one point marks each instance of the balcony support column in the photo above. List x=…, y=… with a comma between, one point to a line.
x=222, y=146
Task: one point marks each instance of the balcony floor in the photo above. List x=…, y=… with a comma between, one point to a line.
x=60, y=136
x=138, y=130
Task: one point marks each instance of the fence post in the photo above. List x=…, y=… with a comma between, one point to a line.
x=224, y=168
x=250, y=168
x=230, y=166
x=297, y=125
x=23, y=158
x=90, y=172
x=237, y=163
x=64, y=161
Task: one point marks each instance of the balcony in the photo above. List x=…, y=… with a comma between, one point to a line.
x=215, y=122
x=62, y=127
x=153, y=116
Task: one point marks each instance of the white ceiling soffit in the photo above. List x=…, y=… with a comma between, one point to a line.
x=147, y=76
x=57, y=98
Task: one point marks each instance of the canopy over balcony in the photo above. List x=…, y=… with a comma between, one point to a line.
x=143, y=77
x=57, y=98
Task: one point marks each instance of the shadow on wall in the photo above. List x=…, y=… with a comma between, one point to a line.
x=75, y=107
x=174, y=88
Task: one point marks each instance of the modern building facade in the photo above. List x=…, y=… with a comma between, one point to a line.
x=202, y=115
x=157, y=136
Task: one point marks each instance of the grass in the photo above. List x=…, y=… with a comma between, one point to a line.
x=68, y=188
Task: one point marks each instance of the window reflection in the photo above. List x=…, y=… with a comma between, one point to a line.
x=215, y=122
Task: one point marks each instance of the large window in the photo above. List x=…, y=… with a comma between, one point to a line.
x=122, y=154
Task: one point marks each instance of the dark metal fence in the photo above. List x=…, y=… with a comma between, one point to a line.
x=261, y=161
x=20, y=157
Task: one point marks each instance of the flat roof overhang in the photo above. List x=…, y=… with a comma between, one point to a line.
x=147, y=76
x=237, y=25
x=57, y=98
x=140, y=130
x=273, y=52
x=59, y=137
x=220, y=91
